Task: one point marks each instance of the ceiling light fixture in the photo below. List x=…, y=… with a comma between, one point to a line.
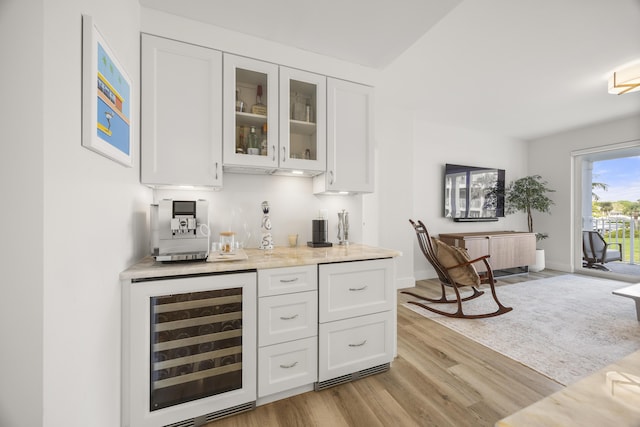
x=626, y=79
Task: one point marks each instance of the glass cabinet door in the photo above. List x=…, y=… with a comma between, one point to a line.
x=303, y=137
x=250, y=113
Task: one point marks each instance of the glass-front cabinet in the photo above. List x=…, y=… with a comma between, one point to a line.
x=250, y=114
x=303, y=121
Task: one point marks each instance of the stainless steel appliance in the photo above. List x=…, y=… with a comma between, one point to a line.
x=180, y=230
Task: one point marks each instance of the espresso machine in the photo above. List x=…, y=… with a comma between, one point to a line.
x=180, y=230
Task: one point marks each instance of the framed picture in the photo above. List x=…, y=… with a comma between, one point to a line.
x=106, y=98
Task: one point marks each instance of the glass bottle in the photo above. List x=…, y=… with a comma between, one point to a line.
x=239, y=104
x=263, y=144
x=259, y=107
x=253, y=146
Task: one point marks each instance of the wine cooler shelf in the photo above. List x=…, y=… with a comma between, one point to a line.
x=196, y=346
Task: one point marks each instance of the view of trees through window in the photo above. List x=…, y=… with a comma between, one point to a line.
x=615, y=203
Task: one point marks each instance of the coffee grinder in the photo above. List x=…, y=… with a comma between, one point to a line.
x=320, y=231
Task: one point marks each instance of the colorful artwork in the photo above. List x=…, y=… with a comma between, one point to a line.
x=113, y=103
x=106, y=98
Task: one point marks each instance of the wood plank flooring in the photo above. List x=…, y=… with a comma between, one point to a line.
x=439, y=378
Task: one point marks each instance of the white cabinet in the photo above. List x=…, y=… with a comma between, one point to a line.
x=287, y=329
x=303, y=121
x=357, y=319
x=181, y=114
x=250, y=114
x=350, y=151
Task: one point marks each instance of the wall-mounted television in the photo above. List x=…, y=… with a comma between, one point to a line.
x=473, y=193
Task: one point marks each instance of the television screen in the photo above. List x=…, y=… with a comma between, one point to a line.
x=473, y=193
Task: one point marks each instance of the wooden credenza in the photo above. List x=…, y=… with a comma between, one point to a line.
x=508, y=249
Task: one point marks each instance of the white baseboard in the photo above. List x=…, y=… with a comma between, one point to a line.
x=405, y=282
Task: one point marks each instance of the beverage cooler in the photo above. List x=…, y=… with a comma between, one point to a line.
x=189, y=349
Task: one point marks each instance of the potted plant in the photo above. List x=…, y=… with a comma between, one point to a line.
x=529, y=194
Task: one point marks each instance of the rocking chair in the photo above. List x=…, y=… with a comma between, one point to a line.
x=455, y=270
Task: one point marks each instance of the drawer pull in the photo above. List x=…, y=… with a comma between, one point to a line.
x=291, y=365
x=358, y=345
x=358, y=289
x=288, y=318
x=295, y=279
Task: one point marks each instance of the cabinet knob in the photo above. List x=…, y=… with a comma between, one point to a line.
x=358, y=289
x=288, y=317
x=359, y=344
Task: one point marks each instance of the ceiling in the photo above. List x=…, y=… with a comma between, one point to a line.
x=521, y=69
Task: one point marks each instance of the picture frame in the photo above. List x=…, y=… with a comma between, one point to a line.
x=106, y=98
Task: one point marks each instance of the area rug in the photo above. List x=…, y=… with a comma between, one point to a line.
x=565, y=327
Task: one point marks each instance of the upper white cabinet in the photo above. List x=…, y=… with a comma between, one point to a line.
x=303, y=121
x=250, y=114
x=350, y=153
x=181, y=114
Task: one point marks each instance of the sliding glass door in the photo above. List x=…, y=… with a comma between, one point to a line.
x=607, y=207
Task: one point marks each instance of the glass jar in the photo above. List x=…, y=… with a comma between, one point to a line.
x=227, y=242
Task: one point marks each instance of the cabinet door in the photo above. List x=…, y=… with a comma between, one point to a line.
x=286, y=280
x=303, y=121
x=349, y=139
x=355, y=288
x=289, y=317
x=181, y=110
x=286, y=366
x=352, y=345
x=250, y=108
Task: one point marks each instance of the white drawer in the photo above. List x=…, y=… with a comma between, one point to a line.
x=355, y=288
x=286, y=366
x=287, y=317
x=351, y=345
x=277, y=281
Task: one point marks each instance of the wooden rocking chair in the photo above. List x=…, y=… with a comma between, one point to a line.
x=455, y=270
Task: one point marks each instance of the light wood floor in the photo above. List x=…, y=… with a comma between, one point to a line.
x=439, y=378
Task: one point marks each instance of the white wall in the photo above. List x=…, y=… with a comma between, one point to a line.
x=94, y=213
x=434, y=146
x=21, y=187
x=551, y=157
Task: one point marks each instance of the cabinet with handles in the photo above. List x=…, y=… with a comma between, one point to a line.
x=181, y=114
x=287, y=329
x=356, y=319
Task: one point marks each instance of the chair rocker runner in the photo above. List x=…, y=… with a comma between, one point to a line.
x=455, y=270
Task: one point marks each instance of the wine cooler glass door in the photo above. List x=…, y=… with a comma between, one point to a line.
x=189, y=348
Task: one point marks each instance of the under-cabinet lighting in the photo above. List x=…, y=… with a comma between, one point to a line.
x=297, y=172
x=343, y=192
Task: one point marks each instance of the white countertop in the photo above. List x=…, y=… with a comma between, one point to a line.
x=259, y=259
